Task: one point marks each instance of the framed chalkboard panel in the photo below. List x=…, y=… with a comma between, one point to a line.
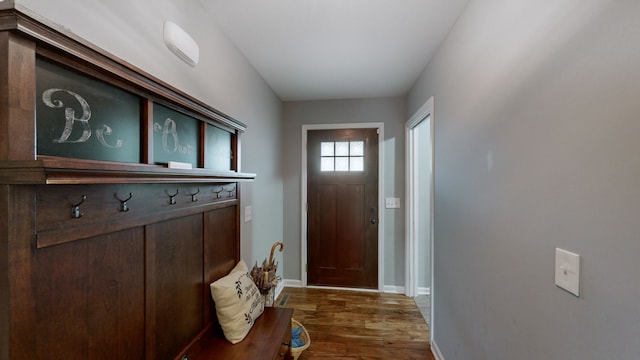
x=217, y=155
x=80, y=117
x=176, y=136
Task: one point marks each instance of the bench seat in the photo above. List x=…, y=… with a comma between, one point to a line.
x=269, y=338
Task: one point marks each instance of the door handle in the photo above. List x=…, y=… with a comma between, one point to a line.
x=373, y=220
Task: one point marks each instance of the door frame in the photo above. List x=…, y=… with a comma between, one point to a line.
x=411, y=246
x=303, y=195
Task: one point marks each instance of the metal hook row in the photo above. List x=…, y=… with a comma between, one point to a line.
x=75, y=208
x=172, y=200
x=222, y=189
x=76, y=213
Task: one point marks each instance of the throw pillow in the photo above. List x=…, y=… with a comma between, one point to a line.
x=238, y=302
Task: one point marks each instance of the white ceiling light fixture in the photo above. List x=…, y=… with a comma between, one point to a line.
x=181, y=44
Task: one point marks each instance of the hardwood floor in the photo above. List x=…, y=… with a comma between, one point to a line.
x=349, y=325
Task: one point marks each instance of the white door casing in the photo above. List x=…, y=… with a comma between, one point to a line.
x=412, y=250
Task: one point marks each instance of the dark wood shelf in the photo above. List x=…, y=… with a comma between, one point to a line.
x=61, y=171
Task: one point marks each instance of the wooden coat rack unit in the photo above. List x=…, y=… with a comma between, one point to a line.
x=105, y=251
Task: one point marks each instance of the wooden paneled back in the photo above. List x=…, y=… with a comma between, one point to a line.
x=139, y=291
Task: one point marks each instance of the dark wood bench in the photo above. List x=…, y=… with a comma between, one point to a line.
x=270, y=338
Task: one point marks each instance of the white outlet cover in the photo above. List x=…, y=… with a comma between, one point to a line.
x=568, y=271
x=388, y=203
x=392, y=203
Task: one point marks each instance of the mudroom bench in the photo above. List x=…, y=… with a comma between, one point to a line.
x=270, y=338
x=119, y=204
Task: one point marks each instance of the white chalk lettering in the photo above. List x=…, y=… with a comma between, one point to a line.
x=70, y=115
x=170, y=135
x=71, y=120
x=107, y=131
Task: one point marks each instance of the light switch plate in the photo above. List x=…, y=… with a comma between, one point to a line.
x=568, y=271
x=248, y=213
x=392, y=203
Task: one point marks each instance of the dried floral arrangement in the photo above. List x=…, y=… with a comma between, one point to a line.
x=265, y=276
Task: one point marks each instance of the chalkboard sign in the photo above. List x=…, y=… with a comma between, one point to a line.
x=217, y=149
x=80, y=117
x=176, y=136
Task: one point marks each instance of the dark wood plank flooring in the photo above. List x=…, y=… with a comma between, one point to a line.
x=349, y=325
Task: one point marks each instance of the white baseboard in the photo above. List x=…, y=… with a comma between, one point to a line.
x=291, y=283
x=387, y=288
x=284, y=283
x=436, y=351
x=279, y=288
x=401, y=290
x=424, y=291
x=394, y=289
x=342, y=288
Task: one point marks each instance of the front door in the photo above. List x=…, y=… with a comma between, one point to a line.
x=342, y=201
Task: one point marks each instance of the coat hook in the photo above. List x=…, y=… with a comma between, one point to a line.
x=218, y=192
x=123, y=203
x=75, y=209
x=193, y=196
x=172, y=200
x=231, y=191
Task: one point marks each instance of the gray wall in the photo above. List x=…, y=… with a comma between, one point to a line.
x=133, y=31
x=536, y=130
x=390, y=111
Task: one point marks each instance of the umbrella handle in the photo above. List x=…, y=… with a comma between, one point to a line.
x=276, y=244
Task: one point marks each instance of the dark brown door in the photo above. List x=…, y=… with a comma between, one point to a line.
x=342, y=200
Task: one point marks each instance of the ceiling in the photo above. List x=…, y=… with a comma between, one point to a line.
x=336, y=49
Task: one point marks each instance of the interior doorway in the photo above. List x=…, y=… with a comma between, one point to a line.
x=420, y=204
x=377, y=217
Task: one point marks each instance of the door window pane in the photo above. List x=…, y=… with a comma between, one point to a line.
x=326, y=148
x=326, y=164
x=342, y=156
x=356, y=163
x=342, y=164
x=342, y=148
x=356, y=148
